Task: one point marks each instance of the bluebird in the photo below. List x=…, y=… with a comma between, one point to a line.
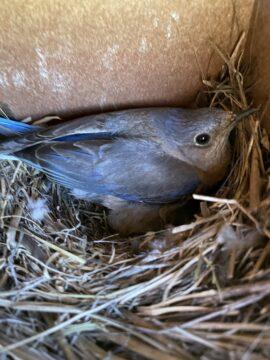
x=134, y=162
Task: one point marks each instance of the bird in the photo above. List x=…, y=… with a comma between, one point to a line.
x=137, y=162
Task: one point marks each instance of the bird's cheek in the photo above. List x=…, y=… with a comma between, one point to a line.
x=217, y=169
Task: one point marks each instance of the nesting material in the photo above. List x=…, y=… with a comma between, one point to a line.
x=70, y=289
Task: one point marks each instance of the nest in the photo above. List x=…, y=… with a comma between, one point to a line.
x=70, y=289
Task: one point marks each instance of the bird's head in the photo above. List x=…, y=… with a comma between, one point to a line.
x=201, y=139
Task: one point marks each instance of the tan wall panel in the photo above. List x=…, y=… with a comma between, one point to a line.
x=67, y=56
x=260, y=56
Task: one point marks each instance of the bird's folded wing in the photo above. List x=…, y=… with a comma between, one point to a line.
x=131, y=169
x=134, y=122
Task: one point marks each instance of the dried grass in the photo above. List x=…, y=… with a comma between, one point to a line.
x=70, y=289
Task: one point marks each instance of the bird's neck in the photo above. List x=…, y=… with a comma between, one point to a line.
x=211, y=173
x=217, y=171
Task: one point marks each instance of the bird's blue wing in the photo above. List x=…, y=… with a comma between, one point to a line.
x=101, y=126
x=131, y=169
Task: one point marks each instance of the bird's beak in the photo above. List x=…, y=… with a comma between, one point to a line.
x=237, y=118
x=244, y=114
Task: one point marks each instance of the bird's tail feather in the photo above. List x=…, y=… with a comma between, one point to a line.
x=15, y=128
x=10, y=129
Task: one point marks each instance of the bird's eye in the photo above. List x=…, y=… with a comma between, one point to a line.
x=202, y=139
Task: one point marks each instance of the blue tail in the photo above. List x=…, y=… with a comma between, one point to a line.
x=13, y=128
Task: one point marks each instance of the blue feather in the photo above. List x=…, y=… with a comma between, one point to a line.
x=85, y=136
x=10, y=127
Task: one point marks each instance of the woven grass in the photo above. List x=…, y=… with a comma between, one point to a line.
x=71, y=289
